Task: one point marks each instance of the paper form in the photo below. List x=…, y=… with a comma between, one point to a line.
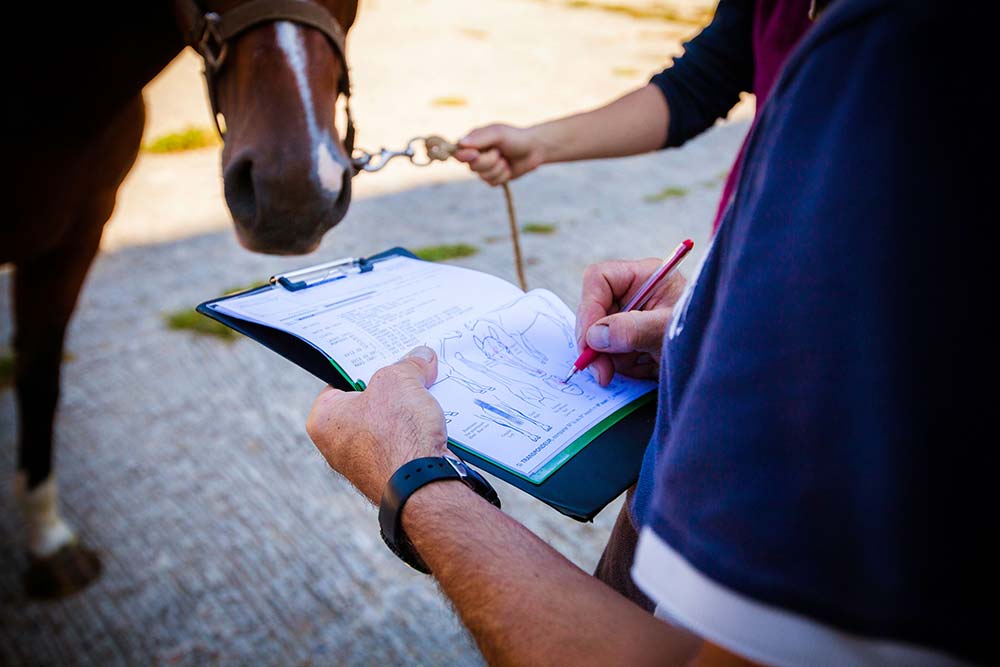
x=502, y=353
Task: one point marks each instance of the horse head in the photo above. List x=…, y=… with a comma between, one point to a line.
x=274, y=70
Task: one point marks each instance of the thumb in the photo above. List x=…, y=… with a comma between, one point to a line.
x=636, y=331
x=483, y=137
x=421, y=362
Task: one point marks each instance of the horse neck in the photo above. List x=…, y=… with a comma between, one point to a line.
x=97, y=58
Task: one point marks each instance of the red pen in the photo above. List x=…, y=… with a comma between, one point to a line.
x=637, y=301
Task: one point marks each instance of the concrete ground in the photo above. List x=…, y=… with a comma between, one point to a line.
x=183, y=459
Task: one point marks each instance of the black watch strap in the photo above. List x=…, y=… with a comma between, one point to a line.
x=407, y=479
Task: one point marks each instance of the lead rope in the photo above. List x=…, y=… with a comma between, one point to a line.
x=515, y=237
x=440, y=149
x=436, y=149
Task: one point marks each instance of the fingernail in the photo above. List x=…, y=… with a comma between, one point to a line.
x=599, y=336
x=421, y=352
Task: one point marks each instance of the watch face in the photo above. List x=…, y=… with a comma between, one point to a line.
x=458, y=465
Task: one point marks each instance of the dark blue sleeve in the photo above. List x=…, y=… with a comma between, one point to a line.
x=705, y=83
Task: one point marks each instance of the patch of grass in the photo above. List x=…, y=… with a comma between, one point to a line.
x=190, y=320
x=7, y=367
x=244, y=288
x=660, y=35
x=660, y=59
x=669, y=192
x=655, y=11
x=449, y=101
x=713, y=182
x=626, y=72
x=474, y=33
x=538, y=228
x=188, y=139
x=437, y=253
x=6, y=370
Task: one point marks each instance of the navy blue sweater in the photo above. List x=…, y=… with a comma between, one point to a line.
x=825, y=442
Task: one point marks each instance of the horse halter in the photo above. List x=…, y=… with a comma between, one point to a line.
x=209, y=33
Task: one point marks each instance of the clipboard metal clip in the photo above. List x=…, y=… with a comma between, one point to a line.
x=300, y=279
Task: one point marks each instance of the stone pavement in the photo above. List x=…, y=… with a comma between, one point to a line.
x=184, y=461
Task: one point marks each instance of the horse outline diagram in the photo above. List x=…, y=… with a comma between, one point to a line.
x=504, y=337
x=505, y=357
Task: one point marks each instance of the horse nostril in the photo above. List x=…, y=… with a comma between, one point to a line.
x=240, y=193
x=343, y=197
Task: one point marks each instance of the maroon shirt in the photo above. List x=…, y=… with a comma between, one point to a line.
x=777, y=27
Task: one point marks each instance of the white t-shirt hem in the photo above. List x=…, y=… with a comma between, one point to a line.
x=757, y=631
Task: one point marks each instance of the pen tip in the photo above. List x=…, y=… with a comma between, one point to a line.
x=571, y=374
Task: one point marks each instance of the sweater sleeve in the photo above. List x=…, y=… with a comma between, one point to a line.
x=706, y=81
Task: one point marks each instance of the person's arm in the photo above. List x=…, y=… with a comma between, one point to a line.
x=706, y=81
x=635, y=123
x=524, y=603
x=678, y=103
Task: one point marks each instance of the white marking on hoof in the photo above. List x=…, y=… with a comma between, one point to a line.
x=47, y=531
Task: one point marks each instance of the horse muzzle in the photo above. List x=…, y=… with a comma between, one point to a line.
x=285, y=206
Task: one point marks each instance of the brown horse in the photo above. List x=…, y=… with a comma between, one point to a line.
x=274, y=69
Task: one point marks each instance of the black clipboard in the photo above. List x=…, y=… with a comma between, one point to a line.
x=580, y=489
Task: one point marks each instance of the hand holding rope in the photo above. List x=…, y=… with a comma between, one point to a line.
x=423, y=151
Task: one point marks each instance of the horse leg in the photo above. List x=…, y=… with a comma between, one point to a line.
x=46, y=288
x=45, y=292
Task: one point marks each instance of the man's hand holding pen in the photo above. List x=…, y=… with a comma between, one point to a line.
x=630, y=342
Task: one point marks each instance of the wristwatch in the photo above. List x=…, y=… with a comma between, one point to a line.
x=407, y=479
